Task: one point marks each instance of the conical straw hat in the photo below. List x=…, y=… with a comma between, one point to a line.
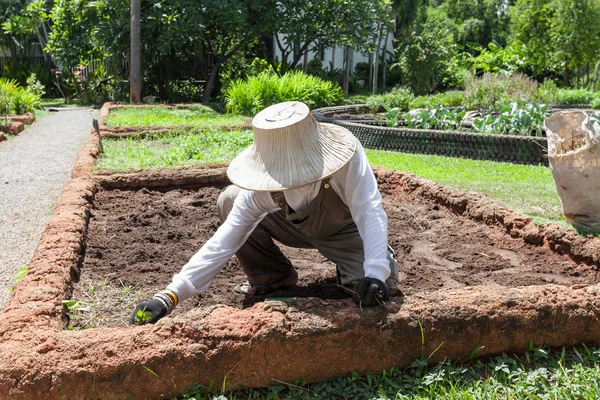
x=290, y=149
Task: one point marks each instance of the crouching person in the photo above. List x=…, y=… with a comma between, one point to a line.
x=303, y=184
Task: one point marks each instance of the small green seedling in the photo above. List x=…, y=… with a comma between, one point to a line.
x=141, y=317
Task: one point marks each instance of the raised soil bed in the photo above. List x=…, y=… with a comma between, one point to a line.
x=140, y=238
x=474, y=274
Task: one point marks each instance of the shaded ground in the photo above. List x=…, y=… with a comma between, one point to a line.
x=139, y=239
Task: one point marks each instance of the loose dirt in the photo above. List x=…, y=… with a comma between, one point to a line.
x=138, y=239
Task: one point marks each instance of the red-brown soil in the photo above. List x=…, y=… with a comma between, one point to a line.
x=141, y=238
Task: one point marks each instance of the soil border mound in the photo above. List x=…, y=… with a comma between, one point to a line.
x=305, y=338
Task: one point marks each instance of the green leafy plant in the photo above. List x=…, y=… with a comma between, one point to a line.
x=451, y=98
x=595, y=103
x=25, y=101
x=141, y=317
x=514, y=120
x=398, y=97
x=35, y=86
x=257, y=92
x=433, y=118
x=574, y=96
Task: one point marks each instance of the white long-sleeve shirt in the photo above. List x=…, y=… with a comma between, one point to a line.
x=354, y=183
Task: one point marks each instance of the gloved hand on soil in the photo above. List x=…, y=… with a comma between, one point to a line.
x=150, y=311
x=370, y=292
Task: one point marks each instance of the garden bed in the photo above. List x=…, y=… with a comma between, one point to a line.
x=492, y=147
x=444, y=232
x=139, y=238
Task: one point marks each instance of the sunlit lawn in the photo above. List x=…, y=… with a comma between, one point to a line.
x=200, y=116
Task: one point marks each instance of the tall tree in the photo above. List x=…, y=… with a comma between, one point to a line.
x=304, y=26
x=135, y=65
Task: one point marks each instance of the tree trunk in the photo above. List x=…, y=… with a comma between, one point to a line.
x=596, y=76
x=346, y=70
x=332, y=59
x=387, y=36
x=376, y=63
x=210, y=83
x=305, y=62
x=135, y=69
x=370, y=81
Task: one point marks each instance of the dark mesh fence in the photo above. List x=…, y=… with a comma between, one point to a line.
x=514, y=149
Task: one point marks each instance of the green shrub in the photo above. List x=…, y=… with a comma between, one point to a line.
x=35, y=86
x=257, y=92
x=595, y=103
x=24, y=101
x=490, y=91
x=546, y=93
x=7, y=92
x=398, y=97
x=452, y=98
x=574, y=96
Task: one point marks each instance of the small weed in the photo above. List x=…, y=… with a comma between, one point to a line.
x=141, y=317
x=20, y=274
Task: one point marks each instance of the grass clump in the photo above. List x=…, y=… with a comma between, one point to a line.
x=257, y=92
x=525, y=188
x=157, y=116
x=164, y=150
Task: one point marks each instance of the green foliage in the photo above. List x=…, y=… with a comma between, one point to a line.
x=574, y=96
x=512, y=120
x=595, y=103
x=142, y=317
x=179, y=147
x=257, y=92
x=427, y=57
x=311, y=26
x=496, y=59
x=24, y=101
x=178, y=91
x=489, y=91
x=34, y=85
x=446, y=99
x=16, y=99
x=546, y=93
x=555, y=37
x=398, y=97
x=434, y=118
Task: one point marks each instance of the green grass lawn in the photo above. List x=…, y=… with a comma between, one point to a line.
x=200, y=116
x=180, y=147
x=524, y=188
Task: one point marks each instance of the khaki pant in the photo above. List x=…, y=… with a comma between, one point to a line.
x=265, y=264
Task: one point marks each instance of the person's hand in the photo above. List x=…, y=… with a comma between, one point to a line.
x=154, y=309
x=371, y=292
x=148, y=312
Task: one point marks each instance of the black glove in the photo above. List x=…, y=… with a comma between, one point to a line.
x=371, y=292
x=148, y=312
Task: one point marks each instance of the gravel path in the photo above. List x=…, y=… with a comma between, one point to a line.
x=34, y=168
